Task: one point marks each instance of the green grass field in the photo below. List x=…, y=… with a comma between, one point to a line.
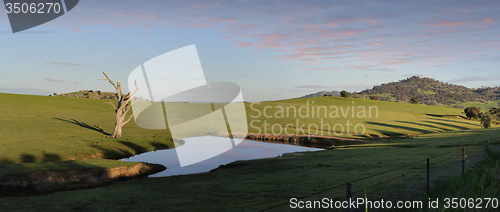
x=260, y=184
x=484, y=106
x=50, y=129
x=40, y=133
x=392, y=118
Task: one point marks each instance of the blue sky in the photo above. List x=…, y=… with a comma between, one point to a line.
x=272, y=49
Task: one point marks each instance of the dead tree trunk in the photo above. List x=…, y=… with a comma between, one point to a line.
x=124, y=106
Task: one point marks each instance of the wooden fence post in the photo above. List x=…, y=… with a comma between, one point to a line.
x=350, y=195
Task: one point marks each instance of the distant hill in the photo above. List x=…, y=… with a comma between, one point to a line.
x=322, y=93
x=90, y=94
x=430, y=92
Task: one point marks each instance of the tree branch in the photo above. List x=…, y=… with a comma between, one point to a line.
x=133, y=94
x=129, y=118
x=110, y=102
x=109, y=80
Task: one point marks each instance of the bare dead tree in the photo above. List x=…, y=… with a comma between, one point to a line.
x=124, y=106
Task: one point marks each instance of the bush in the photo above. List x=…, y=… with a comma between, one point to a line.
x=472, y=112
x=485, y=120
x=344, y=94
x=414, y=100
x=375, y=98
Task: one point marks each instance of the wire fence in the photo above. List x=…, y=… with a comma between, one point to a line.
x=469, y=151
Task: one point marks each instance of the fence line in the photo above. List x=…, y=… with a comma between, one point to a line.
x=351, y=193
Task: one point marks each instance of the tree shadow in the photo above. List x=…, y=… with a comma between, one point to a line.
x=389, y=133
x=400, y=127
x=448, y=125
x=4, y=161
x=48, y=157
x=113, y=153
x=425, y=125
x=28, y=158
x=159, y=146
x=137, y=148
x=441, y=116
x=83, y=124
x=454, y=121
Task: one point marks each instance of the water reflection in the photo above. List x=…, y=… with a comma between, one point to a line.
x=246, y=150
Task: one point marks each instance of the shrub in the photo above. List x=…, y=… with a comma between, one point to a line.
x=344, y=94
x=414, y=100
x=485, y=120
x=375, y=98
x=472, y=112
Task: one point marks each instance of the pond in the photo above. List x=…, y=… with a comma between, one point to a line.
x=246, y=150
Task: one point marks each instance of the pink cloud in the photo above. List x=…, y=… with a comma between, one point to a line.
x=376, y=44
x=489, y=20
x=243, y=44
x=228, y=37
x=309, y=49
x=446, y=23
x=241, y=26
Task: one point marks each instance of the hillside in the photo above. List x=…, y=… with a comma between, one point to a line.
x=43, y=129
x=329, y=113
x=90, y=94
x=430, y=92
x=322, y=93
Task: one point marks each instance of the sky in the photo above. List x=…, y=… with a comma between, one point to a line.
x=271, y=49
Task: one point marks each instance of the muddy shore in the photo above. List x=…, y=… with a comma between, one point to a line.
x=45, y=182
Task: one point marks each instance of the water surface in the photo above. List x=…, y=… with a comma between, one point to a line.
x=246, y=150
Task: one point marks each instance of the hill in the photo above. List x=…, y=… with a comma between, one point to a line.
x=431, y=92
x=327, y=114
x=321, y=94
x=38, y=129
x=44, y=128
x=90, y=94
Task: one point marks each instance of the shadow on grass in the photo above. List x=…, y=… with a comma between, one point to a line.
x=29, y=158
x=113, y=153
x=389, y=133
x=159, y=146
x=454, y=121
x=83, y=124
x=440, y=116
x=425, y=125
x=48, y=157
x=448, y=125
x=400, y=127
x=137, y=148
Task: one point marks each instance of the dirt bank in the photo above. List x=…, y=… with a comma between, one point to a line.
x=45, y=182
x=300, y=140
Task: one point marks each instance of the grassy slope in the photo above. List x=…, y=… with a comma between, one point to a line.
x=484, y=106
x=258, y=184
x=393, y=118
x=481, y=181
x=33, y=129
x=44, y=129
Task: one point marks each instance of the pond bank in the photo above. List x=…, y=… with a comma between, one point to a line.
x=45, y=182
x=318, y=141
